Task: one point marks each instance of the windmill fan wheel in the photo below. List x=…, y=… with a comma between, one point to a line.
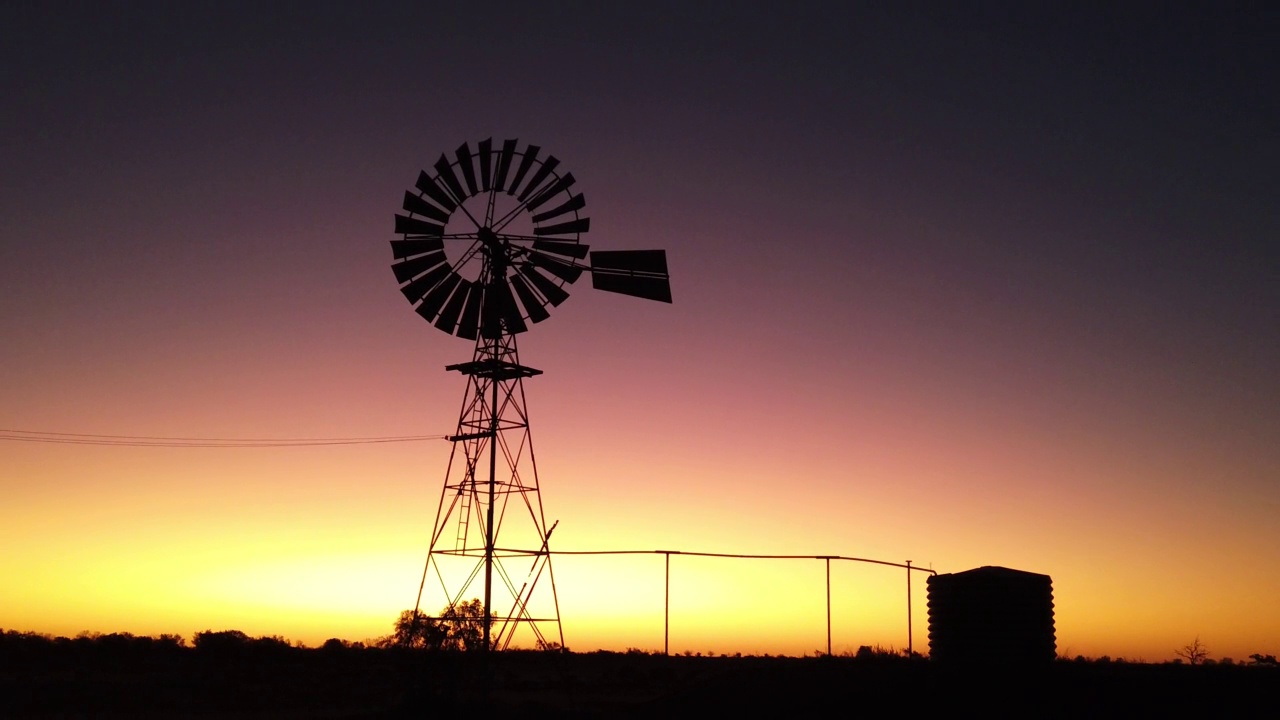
x=498, y=273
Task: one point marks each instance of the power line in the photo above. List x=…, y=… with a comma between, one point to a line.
x=67, y=438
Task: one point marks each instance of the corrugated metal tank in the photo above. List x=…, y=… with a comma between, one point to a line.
x=991, y=615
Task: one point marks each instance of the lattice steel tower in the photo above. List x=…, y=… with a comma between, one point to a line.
x=491, y=239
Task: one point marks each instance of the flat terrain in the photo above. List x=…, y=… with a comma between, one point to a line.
x=277, y=681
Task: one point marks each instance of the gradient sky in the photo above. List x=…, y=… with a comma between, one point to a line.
x=966, y=284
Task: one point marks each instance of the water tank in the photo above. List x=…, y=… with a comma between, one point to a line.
x=991, y=615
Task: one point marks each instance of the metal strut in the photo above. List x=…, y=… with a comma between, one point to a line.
x=495, y=466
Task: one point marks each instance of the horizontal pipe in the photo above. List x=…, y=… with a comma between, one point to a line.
x=514, y=551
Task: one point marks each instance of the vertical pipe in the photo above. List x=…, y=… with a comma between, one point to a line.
x=666, y=610
x=488, y=524
x=910, y=649
x=828, y=607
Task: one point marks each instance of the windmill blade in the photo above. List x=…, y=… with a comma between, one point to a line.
x=555, y=266
x=431, y=189
x=450, y=180
x=559, y=247
x=499, y=310
x=434, y=300
x=639, y=273
x=469, y=325
x=545, y=285
x=418, y=206
x=530, y=154
x=532, y=304
x=547, y=166
x=577, y=202
x=507, y=306
x=449, y=316
x=406, y=225
x=580, y=225
x=486, y=162
x=552, y=190
x=413, y=267
x=422, y=284
x=504, y=163
x=468, y=170
x=408, y=248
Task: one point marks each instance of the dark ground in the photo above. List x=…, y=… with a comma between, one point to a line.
x=140, y=680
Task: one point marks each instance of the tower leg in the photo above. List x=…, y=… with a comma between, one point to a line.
x=506, y=506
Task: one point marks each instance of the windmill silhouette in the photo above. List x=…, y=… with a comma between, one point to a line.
x=491, y=240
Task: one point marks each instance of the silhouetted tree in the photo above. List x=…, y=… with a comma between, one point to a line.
x=335, y=645
x=414, y=629
x=1195, y=653
x=169, y=640
x=219, y=641
x=459, y=627
x=270, y=644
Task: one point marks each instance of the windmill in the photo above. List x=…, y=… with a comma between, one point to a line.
x=491, y=241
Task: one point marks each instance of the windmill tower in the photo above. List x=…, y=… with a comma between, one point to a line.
x=490, y=242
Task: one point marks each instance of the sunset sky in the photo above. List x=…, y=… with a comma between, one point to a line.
x=961, y=283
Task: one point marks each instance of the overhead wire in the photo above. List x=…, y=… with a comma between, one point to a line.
x=68, y=438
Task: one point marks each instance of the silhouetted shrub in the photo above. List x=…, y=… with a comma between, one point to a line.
x=220, y=641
